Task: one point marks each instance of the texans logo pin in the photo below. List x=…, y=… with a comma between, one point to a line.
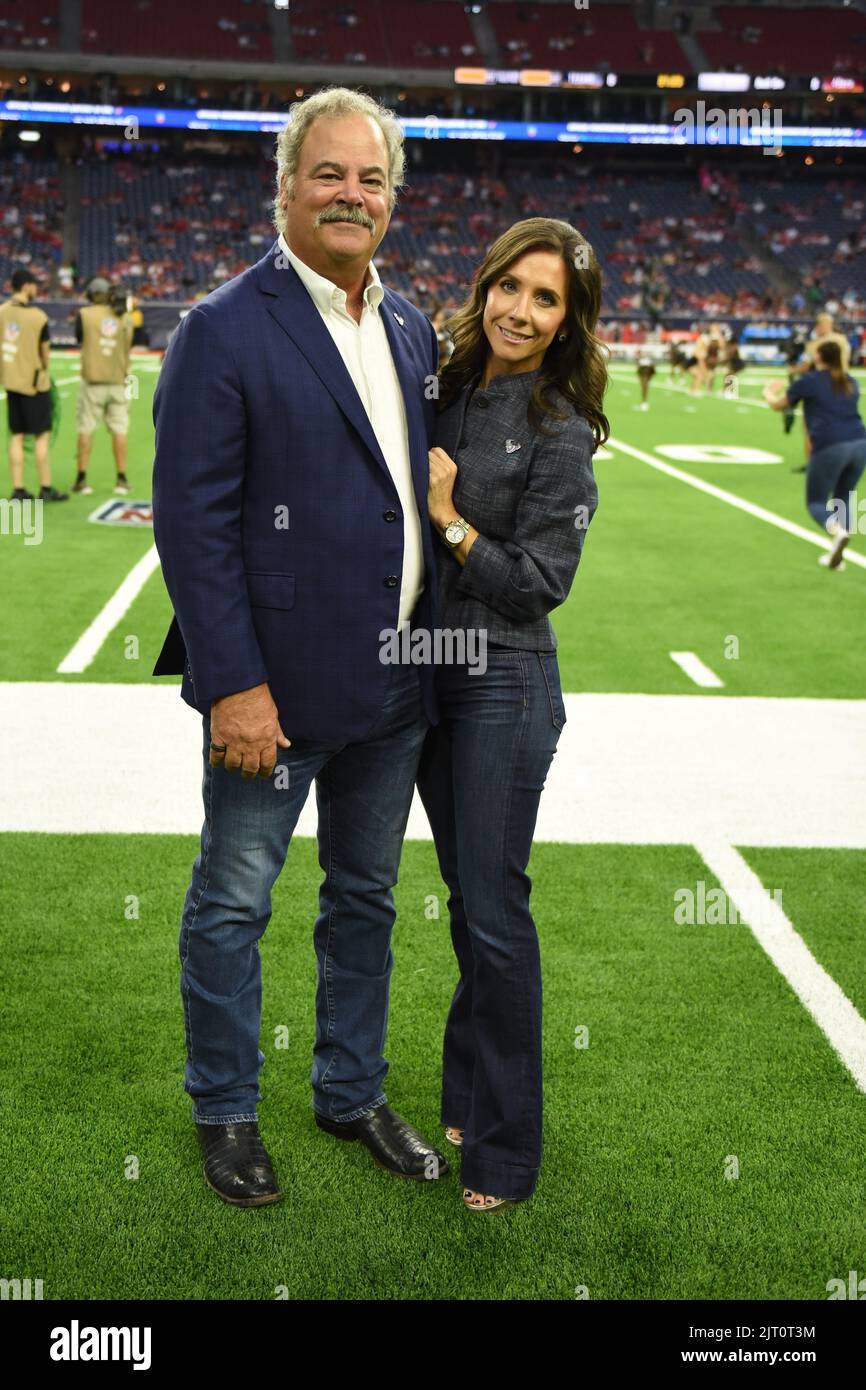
x=511, y=445
x=398, y=318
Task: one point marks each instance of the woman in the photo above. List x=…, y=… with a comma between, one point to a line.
x=511, y=495
x=838, y=436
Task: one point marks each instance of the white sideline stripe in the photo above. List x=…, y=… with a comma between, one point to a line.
x=629, y=769
x=90, y=641
x=732, y=500
x=695, y=669
x=817, y=991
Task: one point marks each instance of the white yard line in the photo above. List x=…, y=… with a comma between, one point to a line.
x=817, y=991
x=684, y=391
x=696, y=670
x=89, y=643
x=761, y=513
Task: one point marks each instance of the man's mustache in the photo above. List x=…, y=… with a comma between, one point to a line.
x=348, y=215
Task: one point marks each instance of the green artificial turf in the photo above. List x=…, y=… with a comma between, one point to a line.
x=701, y=1061
x=665, y=568
x=698, y=1055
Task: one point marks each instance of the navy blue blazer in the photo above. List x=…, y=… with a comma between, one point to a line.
x=277, y=522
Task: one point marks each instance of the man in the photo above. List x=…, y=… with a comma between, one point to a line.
x=26, y=354
x=290, y=513
x=104, y=329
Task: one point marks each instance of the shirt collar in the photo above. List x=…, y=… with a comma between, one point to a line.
x=508, y=384
x=323, y=291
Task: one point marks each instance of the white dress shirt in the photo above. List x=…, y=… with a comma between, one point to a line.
x=366, y=352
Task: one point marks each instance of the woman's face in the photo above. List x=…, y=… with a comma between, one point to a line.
x=525, y=308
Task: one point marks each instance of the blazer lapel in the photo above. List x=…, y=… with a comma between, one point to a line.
x=407, y=373
x=291, y=306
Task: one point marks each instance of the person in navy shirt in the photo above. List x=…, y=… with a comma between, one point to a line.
x=830, y=397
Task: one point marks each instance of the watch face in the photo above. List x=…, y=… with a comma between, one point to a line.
x=454, y=532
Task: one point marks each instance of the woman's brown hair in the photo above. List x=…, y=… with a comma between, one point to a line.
x=577, y=367
x=831, y=355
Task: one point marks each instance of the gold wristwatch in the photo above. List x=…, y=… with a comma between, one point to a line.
x=455, y=532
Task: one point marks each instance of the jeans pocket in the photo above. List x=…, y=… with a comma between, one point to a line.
x=550, y=671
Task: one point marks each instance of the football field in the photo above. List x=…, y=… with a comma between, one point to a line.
x=698, y=876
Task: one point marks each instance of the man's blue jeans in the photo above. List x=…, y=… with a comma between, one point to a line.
x=364, y=793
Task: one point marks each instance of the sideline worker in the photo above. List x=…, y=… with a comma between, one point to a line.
x=26, y=348
x=104, y=329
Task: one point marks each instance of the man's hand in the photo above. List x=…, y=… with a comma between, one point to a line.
x=247, y=724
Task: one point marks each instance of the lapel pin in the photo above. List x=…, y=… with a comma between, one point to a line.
x=398, y=318
x=511, y=445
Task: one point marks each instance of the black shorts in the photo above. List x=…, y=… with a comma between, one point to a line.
x=648, y=370
x=29, y=414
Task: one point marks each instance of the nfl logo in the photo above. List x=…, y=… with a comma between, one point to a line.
x=118, y=512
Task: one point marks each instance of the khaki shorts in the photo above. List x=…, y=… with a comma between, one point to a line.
x=102, y=403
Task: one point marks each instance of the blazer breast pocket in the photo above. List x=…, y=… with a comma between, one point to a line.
x=270, y=590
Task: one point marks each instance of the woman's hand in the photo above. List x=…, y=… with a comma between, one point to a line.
x=775, y=394
x=443, y=476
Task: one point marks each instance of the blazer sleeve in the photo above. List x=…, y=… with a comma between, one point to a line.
x=200, y=418
x=525, y=577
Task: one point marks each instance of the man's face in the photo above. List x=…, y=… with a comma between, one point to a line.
x=339, y=212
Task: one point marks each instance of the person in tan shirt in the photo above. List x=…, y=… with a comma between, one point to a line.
x=104, y=329
x=26, y=348
x=825, y=333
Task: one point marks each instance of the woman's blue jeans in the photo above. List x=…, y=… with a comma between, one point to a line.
x=481, y=775
x=834, y=472
x=364, y=791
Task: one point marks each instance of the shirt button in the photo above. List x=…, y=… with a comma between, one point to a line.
x=391, y=581
x=389, y=516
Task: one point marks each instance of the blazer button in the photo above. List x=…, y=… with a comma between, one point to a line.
x=483, y=403
x=392, y=581
x=389, y=516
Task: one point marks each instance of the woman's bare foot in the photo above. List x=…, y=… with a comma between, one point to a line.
x=478, y=1201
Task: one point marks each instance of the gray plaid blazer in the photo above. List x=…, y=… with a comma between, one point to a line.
x=531, y=499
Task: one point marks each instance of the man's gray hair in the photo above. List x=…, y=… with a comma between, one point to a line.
x=330, y=102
